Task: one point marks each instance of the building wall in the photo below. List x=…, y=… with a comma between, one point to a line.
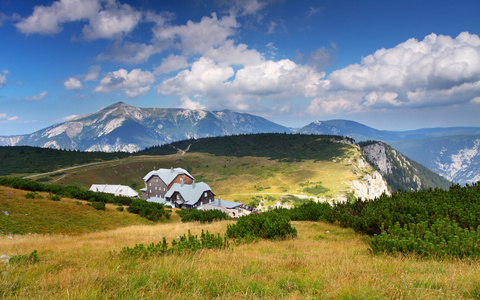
x=155, y=188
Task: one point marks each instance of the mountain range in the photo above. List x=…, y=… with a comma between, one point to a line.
x=451, y=152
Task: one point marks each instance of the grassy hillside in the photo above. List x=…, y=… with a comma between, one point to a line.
x=323, y=262
x=243, y=179
x=44, y=216
x=25, y=160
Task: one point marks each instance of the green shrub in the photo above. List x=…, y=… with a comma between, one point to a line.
x=54, y=197
x=98, y=205
x=149, y=210
x=269, y=225
x=185, y=244
x=202, y=216
x=32, y=257
x=120, y=208
x=30, y=195
x=443, y=237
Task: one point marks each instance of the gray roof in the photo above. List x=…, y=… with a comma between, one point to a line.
x=117, y=189
x=225, y=203
x=191, y=193
x=167, y=175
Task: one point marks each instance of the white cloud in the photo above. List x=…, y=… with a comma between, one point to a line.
x=234, y=54
x=134, y=83
x=205, y=76
x=103, y=21
x=3, y=78
x=172, y=63
x=34, y=98
x=199, y=37
x=115, y=20
x=93, y=73
x=189, y=104
x=5, y=118
x=48, y=19
x=281, y=79
x=130, y=52
x=438, y=71
x=72, y=83
x=220, y=87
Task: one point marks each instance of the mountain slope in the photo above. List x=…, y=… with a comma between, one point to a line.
x=121, y=127
x=456, y=158
x=400, y=172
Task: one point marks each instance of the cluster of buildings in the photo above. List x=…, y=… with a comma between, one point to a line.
x=175, y=187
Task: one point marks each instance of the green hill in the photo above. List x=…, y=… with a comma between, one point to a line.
x=23, y=212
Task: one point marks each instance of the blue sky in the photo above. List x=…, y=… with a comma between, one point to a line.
x=392, y=65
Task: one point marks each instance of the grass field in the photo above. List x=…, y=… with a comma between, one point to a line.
x=231, y=178
x=323, y=262
x=41, y=215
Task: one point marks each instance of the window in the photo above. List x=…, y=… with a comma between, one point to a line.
x=205, y=194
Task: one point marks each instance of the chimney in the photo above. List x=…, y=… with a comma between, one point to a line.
x=193, y=184
x=171, y=169
x=181, y=181
x=219, y=201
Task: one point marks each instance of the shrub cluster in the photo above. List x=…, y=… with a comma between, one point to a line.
x=443, y=237
x=202, y=216
x=269, y=225
x=185, y=244
x=426, y=222
x=149, y=210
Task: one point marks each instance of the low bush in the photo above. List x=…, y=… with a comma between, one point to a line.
x=202, y=216
x=149, y=210
x=185, y=244
x=269, y=225
x=98, y=205
x=31, y=258
x=443, y=237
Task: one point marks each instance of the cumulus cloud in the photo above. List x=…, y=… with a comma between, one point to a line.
x=220, y=86
x=34, y=98
x=198, y=37
x=48, y=19
x=3, y=78
x=438, y=70
x=93, y=73
x=204, y=76
x=115, y=20
x=134, y=83
x=105, y=19
x=72, y=83
x=172, y=63
x=187, y=103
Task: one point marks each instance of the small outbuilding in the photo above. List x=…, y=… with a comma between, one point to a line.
x=117, y=190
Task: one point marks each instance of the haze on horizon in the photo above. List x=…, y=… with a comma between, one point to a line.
x=391, y=65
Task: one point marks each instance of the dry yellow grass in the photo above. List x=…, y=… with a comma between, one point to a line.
x=323, y=262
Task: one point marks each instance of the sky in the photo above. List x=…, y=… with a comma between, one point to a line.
x=388, y=64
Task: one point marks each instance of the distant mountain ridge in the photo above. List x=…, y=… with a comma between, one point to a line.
x=122, y=127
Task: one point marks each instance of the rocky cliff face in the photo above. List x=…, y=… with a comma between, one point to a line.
x=400, y=172
x=371, y=183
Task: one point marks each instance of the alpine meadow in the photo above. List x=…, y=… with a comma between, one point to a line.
x=239, y=149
